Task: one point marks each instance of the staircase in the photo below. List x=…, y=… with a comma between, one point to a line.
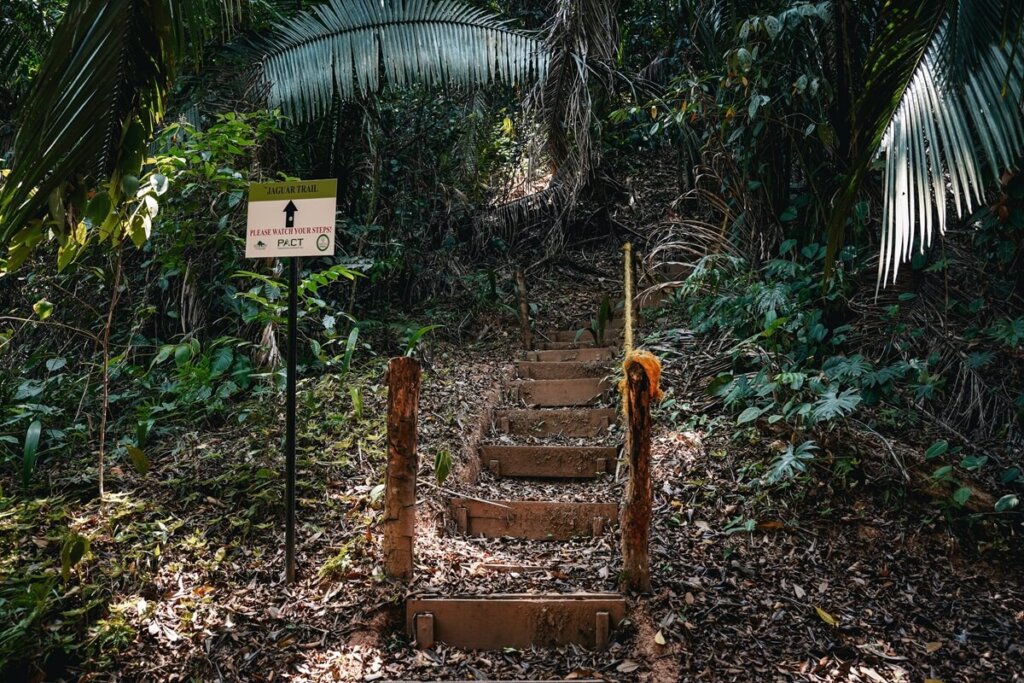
x=561, y=396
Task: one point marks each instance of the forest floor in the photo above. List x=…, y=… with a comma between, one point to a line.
x=820, y=580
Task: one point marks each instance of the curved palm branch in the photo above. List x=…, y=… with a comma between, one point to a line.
x=942, y=97
x=109, y=63
x=347, y=46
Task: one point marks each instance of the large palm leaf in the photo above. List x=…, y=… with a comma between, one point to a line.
x=109, y=63
x=345, y=47
x=941, y=102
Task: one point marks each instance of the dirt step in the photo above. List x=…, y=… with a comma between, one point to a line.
x=560, y=370
x=610, y=334
x=604, y=353
x=653, y=298
x=564, y=345
x=676, y=271
x=560, y=421
x=557, y=462
x=515, y=620
x=537, y=520
x=559, y=393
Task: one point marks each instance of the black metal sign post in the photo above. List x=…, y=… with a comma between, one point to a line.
x=289, y=436
x=307, y=229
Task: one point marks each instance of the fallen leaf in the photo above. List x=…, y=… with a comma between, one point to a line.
x=659, y=638
x=826, y=617
x=933, y=646
x=800, y=593
x=770, y=525
x=628, y=666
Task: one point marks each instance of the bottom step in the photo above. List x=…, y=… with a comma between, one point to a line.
x=515, y=620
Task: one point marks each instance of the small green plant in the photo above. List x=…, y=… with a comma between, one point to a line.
x=338, y=565
x=442, y=465
x=791, y=462
x=598, y=324
x=75, y=547
x=31, y=451
x=357, y=401
x=414, y=337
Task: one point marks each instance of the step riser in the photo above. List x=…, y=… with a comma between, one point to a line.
x=564, y=355
x=532, y=520
x=566, y=370
x=560, y=393
x=515, y=621
x=548, y=462
x=565, y=422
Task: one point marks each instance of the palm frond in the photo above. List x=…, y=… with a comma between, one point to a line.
x=941, y=99
x=109, y=63
x=345, y=47
x=942, y=130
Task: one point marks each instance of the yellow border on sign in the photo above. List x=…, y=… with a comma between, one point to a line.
x=294, y=189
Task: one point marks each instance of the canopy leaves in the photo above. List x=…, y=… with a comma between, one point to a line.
x=108, y=65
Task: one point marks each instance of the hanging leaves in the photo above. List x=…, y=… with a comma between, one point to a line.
x=350, y=47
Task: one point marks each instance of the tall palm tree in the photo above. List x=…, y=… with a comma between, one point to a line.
x=942, y=96
x=102, y=87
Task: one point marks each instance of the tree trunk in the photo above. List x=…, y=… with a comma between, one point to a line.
x=636, y=510
x=400, y=494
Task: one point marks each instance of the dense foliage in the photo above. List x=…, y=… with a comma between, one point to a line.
x=765, y=149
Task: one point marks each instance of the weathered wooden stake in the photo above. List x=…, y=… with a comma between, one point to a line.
x=524, y=310
x=635, y=516
x=400, y=486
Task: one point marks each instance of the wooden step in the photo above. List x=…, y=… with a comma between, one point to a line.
x=559, y=393
x=604, y=353
x=515, y=620
x=537, y=520
x=560, y=462
x=565, y=370
x=571, y=422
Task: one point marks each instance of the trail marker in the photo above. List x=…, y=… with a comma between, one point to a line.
x=289, y=220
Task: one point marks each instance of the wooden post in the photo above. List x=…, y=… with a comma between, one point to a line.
x=627, y=304
x=524, y=310
x=635, y=519
x=400, y=486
